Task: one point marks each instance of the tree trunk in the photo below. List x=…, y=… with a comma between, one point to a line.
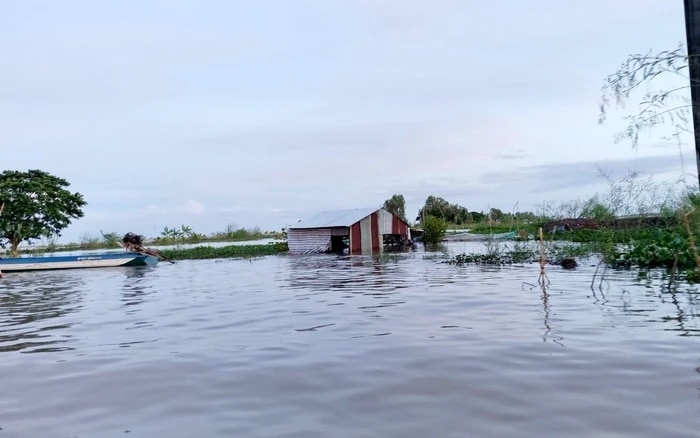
x=14, y=242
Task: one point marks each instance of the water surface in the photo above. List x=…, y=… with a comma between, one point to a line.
x=327, y=346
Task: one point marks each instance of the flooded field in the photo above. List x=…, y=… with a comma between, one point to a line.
x=327, y=346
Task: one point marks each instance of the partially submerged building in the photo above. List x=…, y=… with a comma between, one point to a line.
x=356, y=231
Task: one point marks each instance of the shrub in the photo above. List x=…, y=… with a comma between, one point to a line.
x=434, y=230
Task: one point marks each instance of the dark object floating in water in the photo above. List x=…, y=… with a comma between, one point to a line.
x=134, y=242
x=313, y=329
x=568, y=263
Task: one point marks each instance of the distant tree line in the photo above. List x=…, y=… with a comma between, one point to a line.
x=453, y=214
x=456, y=214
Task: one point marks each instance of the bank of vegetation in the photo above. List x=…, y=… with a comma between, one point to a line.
x=636, y=224
x=230, y=251
x=183, y=235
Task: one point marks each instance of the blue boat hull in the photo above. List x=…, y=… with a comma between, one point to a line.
x=107, y=260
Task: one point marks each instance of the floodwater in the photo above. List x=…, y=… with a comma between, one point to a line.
x=328, y=346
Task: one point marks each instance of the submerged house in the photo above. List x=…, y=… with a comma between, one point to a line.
x=356, y=231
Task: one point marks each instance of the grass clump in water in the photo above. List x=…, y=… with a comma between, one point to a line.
x=225, y=252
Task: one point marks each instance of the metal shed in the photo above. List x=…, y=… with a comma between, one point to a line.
x=357, y=231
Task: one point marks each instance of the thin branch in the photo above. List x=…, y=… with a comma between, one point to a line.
x=670, y=110
x=658, y=99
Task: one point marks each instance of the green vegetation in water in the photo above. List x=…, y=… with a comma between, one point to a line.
x=499, y=253
x=230, y=251
x=434, y=229
x=667, y=241
x=522, y=251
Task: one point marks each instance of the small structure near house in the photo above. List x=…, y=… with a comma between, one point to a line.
x=356, y=231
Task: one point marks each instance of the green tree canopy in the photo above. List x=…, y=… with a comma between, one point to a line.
x=452, y=213
x=496, y=214
x=37, y=204
x=396, y=205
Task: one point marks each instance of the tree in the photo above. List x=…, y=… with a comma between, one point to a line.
x=655, y=106
x=396, y=205
x=477, y=217
x=496, y=214
x=438, y=207
x=37, y=204
x=434, y=230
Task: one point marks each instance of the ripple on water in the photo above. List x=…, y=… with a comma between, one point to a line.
x=346, y=346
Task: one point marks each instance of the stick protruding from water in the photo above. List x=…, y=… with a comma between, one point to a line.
x=543, y=280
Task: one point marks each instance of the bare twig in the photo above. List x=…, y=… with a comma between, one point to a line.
x=602, y=275
x=595, y=273
x=532, y=286
x=543, y=280
x=653, y=109
x=674, y=268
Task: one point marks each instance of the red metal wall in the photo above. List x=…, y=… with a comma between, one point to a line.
x=377, y=240
x=355, y=239
x=366, y=235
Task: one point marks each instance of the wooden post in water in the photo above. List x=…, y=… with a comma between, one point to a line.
x=543, y=280
x=692, y=33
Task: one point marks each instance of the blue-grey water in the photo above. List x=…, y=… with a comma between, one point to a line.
x=327, y=346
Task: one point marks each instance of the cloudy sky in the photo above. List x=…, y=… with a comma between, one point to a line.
x=258, y=113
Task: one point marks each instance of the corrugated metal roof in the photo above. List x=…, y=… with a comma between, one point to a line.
x=335, y=218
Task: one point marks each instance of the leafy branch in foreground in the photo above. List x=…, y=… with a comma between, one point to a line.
x=656, y=107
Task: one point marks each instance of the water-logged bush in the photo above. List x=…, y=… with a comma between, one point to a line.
x=434, y=230
x=231, y=251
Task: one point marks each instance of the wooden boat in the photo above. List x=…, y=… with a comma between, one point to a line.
x=104, y=260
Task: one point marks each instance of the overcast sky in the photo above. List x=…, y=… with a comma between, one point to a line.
x=258, y=113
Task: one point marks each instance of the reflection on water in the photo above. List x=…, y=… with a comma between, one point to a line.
x=136, y=286
x=32, y=319
x=351, y=346
x=684, y=299
x=652, y=299
x=548, y=335
x=367, y=284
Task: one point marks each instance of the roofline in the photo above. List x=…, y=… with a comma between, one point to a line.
x=319, y=228
x=291, y=227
